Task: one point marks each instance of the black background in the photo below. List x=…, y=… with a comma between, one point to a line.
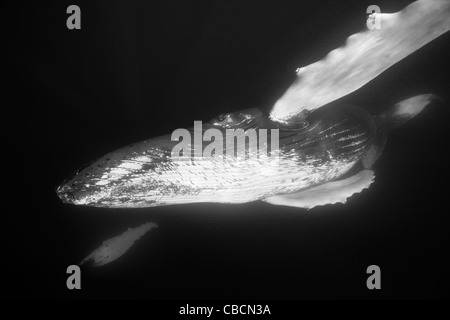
x=139, y=69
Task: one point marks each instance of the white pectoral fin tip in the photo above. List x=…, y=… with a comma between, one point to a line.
x=364, y=57
x=115, y=247
x=327, y=193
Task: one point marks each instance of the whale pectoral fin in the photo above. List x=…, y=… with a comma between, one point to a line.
x=328, y=193
x=114, y=248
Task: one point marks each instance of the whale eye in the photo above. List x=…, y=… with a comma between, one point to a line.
x=239, y=119
x=222, y=117
x=224, y=120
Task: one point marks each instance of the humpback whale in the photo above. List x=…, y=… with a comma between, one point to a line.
x=314, y=155
x=326, y=149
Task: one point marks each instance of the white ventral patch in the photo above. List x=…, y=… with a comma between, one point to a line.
x=327, y=193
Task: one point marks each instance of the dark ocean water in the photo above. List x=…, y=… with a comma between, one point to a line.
x=144, y=68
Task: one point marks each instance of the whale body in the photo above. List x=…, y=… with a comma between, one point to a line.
x=321, y=148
